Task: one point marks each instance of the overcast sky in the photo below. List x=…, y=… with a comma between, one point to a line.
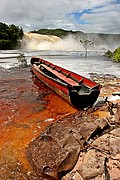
x=83, y=15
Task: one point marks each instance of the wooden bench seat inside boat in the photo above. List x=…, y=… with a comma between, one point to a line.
x=61, y=75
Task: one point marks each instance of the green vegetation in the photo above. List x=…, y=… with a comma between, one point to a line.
x=62, y=33
x=10, y=36
x=115, y=55
x=56, y=32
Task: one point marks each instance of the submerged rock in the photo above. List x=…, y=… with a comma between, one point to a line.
x=22, y=61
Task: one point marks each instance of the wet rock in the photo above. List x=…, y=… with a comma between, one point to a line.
x=113, y=167
x=115, y=132
x=80, y=125
x=56, y=150
x=22, y=61
x=92, y=165
x=103, y=76
x=116, y=117
x=50, y=158
x=100, y=102
x=74, y=175
x=108, y=144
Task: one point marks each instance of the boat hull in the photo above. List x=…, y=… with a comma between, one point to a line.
x=62, y=91
x=78, y=91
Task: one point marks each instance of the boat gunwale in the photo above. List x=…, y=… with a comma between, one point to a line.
x=83, y=97
x=56, y=80
x=68, y=86
x=83, y=80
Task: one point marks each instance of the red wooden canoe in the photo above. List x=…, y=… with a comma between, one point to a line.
x=75, y=89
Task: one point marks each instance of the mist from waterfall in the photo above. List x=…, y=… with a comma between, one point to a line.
x=34, y=41
x=68, y=53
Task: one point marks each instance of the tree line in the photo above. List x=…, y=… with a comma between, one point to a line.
x=56, y=32
x=10, y=36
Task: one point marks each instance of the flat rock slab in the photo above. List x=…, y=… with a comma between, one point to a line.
x=92, y=165
x=55, y=152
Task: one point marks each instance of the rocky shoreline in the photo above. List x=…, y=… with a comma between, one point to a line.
x=84, y=145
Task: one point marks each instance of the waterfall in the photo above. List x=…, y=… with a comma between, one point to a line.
x=38, y=41
x=35, y=41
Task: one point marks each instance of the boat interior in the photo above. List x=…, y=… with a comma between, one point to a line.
x=61, y=75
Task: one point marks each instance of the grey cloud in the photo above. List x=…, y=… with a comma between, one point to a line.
x=35, y=14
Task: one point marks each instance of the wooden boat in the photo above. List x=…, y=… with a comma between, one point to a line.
x=75, y=89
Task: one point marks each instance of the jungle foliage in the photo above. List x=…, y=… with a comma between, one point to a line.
x=56, y=32
x=10, y=36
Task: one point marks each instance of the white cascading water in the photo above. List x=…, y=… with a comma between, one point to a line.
x=36, y=41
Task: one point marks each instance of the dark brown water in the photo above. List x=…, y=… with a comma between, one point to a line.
x=27, y=106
